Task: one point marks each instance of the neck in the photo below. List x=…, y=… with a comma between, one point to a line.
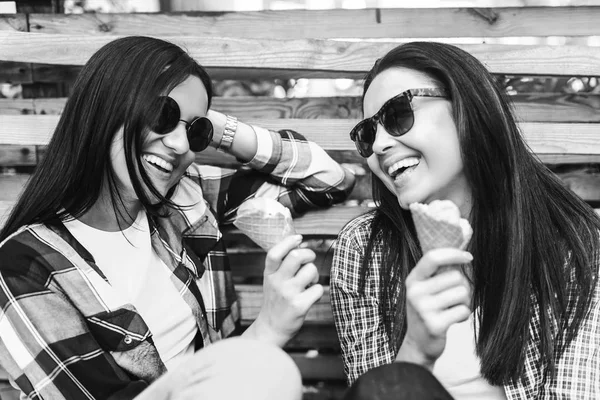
x=104, y=216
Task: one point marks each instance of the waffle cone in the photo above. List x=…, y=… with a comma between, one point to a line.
x=436, y=233
x=267, y=224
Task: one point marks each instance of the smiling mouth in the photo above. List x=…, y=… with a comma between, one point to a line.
x=400, y=167
x=158, y=163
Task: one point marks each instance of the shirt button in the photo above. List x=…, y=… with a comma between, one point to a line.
x=128, y=339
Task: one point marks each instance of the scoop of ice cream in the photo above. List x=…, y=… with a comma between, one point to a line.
x=439, y=225
x=265, y=221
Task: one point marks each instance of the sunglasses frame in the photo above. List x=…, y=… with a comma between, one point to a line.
x=377, y=118
x=170, y=102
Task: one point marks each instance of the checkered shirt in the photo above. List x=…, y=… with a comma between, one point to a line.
x=365, y=344
x=64, y=331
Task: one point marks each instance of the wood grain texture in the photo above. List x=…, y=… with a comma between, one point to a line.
x=13, y=22
x=17, y=155
x=332, y=134
x=17, y=106
x=302, y=54
x=250, y=298
x=530, y=107
x=15, y=72
x=365, y=23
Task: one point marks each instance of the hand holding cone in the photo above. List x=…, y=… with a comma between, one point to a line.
x=265, y=221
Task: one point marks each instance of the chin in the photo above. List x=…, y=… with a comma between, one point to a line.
x=406, y=199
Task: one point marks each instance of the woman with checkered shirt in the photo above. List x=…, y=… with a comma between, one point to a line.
x=114, y=280
x=521, y=318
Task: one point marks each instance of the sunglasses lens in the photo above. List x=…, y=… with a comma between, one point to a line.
x=398, y=117
x=200, y=133
x=168, y=117
x=364, y=136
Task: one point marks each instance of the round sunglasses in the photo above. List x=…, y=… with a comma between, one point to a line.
x=396, y=116
x=199, y=130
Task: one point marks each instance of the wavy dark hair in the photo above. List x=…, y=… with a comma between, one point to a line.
x=534, y=241
x=118, y=87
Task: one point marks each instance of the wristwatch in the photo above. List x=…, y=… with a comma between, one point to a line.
x=231, y=124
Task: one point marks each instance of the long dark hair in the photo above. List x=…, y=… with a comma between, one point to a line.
x=534, y=241
x=118, y=87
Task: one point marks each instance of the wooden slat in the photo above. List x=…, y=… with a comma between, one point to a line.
x=250, y=298
x=303, y=54
x=16, y=106
x=530, y=107
x=557, y=107
x=12, y=185
x=5, y=207
x=569, y=158
x=13, y=22
x=551, y=138
x=15, y=72
x=365, y=23
x=320, y=367
x=586, y=185
x=312, y=336
x=19, y=155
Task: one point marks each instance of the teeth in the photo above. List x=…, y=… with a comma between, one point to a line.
x=407, y=162
x=158, y=161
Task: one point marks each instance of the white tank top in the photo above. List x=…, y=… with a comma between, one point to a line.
x=142, y=279
x=458, y=368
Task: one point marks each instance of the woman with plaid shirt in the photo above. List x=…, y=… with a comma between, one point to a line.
x=112, y=267
x=521, y=318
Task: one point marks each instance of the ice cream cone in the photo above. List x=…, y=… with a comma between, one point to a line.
x=436, y=232
x=265, y=221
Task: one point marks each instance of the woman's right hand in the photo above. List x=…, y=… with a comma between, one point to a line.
x=433, y=303
x=290, y=288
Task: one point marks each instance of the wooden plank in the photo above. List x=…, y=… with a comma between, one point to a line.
x=17, y=155
x=250, y=298
x=13, y=22
x=15, y=72
x=5, y=207
x=311, y=336
x=569, y=158
x=557, y=107
x=529, y=107
x=303, y=55
x=16, y=106
x=331, y=134
x=319, y=366
x=585, y=183
x=12, y=185
x=363, y=23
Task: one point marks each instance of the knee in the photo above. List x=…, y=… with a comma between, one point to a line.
x=398, y=380
x=267, y=368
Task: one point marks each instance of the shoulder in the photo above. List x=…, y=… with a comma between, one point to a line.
x=357, y=230
x=28, y=252
x=350, y=249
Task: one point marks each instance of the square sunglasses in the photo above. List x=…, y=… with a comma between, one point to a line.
x=396, y=116
x=199, y=131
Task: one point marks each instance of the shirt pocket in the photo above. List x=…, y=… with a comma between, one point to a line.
x=119, y=330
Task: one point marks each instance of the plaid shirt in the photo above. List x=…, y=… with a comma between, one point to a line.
x=365, y=344
x=65, y=332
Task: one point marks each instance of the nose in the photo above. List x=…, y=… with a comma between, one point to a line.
x=177, y=139
x=383, y=140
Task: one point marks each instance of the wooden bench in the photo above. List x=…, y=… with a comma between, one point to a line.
x=45, y=51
